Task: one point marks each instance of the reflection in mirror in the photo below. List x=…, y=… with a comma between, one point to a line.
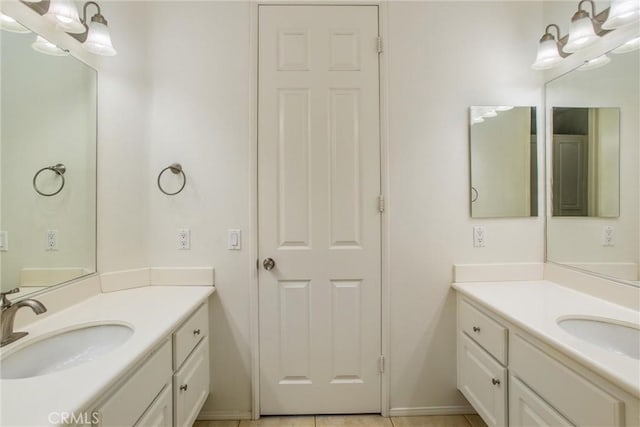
x=48, y=167
x=504, y=167
x=602, y=235
x=585, y=161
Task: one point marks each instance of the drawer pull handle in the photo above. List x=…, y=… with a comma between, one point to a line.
x=184, y=387
x=476, y=329
x=495, y=381
x=196, y=332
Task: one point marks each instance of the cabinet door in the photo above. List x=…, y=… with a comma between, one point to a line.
x=483, y=382
x=160, y=413
x=191, y=385
x=526, y=409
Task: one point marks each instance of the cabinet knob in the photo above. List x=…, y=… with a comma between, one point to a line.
x=196, y=332
x=183, y=387
x=495, y=381
x=476, y=329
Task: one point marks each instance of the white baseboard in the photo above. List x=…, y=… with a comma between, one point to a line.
x=223, y=415
x=432, y=410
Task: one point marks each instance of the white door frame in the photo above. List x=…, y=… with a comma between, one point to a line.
x=384, y=188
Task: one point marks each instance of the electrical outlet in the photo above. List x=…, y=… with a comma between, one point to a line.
x=608, y=235
x=52, y=240
x=234, y=240
x=479, y=236
x=4, y=241
x=184, y=239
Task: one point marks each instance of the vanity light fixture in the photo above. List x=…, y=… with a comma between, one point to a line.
x=621, y=13
x=7, y=23
x=94, y=34
x=43, y=45
x=629, y=46
x=549, y=50
x=582, y=32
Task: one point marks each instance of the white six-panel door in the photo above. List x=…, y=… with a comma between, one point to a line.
x=318, y=188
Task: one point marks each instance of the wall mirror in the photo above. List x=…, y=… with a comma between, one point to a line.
x=48, y=166
x=504, y=161
x=593, y=136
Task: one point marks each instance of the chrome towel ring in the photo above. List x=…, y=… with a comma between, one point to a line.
x=175, y=168
x=59, y=169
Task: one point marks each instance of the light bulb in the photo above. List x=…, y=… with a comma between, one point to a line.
x=548, y=55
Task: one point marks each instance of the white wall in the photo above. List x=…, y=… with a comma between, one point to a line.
x=444, y=57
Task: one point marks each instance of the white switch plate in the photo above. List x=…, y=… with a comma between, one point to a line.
x=184, y=239
x=4, y=241
x=52, y=240
x=234, y=239
x=608, y=235
x=479, y=236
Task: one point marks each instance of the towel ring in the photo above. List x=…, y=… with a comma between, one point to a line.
x=474, y=194
x=175, y=168
x=59, y=169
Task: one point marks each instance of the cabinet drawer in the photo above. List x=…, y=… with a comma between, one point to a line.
x=483, y=381
x=526, y=409
x=579, y=400
x=160, y=413
x=189, y=335
x=191, y=386
x=130, y=401
x=491, y=335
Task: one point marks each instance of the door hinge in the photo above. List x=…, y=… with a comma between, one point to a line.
x=381, y=203
x=379, y=44
x=381, y=364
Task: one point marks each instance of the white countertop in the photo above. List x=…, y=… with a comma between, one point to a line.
x=153, y=311
x=535, y=307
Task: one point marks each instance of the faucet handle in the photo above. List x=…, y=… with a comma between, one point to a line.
x=5, y=300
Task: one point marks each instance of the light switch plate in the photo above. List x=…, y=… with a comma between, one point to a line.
x=479, y=236
x=234, y=239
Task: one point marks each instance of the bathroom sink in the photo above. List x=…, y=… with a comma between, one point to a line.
x=64, y=350
x=610, y=335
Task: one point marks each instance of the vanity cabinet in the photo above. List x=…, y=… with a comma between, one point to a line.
x=169, y=387
x=512, y=378
x=482, y=356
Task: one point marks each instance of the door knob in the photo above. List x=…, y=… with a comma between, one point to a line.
x=268, y=264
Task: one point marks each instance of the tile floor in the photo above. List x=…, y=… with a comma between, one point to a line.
x=353, y=421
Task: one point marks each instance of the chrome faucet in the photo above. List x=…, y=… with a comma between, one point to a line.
x=8, y=316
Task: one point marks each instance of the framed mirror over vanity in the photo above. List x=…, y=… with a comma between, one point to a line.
x=48, y=165
x=593, y=152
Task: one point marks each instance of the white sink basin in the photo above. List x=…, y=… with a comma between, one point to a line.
x=612, y=336
x=64, y=350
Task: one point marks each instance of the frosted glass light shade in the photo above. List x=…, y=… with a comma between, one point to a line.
x=629, y=46
x=64, y=14
x=548, y=55
x=594, y=63
x=621, y=13
x=43, y=45
x=7, y=23
x=581, y=34
x=99, y=40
